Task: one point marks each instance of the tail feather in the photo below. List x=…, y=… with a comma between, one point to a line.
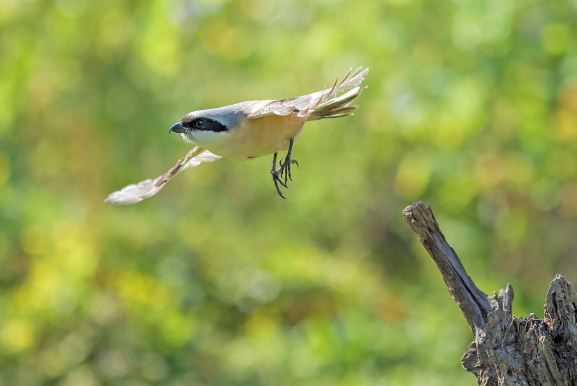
x=336, y=101
x=332, y=102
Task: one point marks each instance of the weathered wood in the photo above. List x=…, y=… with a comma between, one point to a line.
x=506, y=350
x=472, y=301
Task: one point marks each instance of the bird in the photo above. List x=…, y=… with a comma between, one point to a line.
x=251, y=129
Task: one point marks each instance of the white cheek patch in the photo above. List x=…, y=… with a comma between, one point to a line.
x=208, y=137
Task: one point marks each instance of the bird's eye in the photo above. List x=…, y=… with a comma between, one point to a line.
x=200, y=123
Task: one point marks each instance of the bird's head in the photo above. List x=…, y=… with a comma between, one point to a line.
x=206, y=122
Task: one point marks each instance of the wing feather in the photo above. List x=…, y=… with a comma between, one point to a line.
x=136, y=193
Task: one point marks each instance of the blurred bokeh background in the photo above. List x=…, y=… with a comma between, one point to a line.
x=471, y=106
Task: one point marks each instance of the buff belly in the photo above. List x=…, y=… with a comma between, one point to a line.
x=253, y=138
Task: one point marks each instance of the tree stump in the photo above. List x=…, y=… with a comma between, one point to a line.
x=506, y=350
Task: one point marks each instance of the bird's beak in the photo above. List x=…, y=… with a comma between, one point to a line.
x=177, y=128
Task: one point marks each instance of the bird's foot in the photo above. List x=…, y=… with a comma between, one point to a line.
x=282, y=173
x=278, y=181
x=286, y=168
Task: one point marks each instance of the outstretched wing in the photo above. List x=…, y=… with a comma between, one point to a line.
x=135, y=193
x=347, y=87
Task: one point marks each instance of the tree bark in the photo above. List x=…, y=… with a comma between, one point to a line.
x=506, y=350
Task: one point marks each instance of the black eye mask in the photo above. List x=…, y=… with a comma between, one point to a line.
x=205, y=124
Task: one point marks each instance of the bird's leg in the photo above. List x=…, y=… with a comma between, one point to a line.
x=283, y=175
x=276, y=176
x=287, y=162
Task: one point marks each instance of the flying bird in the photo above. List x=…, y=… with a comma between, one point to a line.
x=248, y=130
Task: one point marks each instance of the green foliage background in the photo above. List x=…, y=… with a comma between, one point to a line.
x=471, y=106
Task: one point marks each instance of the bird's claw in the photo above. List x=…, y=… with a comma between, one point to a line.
x=281, y=173
x=285, y=169
x=277, y=180
x=277, y=175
